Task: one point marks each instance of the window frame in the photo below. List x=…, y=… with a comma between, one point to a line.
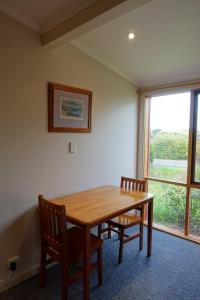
x=194, y=117
x=190, y=182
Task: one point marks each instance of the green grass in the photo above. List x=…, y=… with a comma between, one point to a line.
x=197, y=173
x=168, y=173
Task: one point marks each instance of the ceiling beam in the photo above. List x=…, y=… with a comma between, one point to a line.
x=89, y=18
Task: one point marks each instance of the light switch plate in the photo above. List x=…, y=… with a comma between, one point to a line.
x=73, y=147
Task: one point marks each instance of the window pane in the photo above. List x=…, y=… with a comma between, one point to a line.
x=197, y=156
x=195, y=212
x=169, y=128
x=169, y=204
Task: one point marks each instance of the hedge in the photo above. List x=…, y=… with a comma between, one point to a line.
x=170, y=146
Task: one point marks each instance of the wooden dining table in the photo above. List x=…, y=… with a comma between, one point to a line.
x=89, y=208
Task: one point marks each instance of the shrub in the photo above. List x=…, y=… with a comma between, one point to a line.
x=175, y=198
x=170, y=205
x=198, y=150
x=170, y=146
x=151, y=153
x=195, y=212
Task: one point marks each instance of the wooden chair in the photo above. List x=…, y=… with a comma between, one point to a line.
x=129, y=219
x=62, y=245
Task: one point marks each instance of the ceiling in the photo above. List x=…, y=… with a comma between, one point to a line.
x=167, y=44
x=42, y=15
x=166, y=48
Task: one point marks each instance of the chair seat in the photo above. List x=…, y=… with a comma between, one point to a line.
x=126, y=220
x=76, y=242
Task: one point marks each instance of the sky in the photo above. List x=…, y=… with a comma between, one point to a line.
x=170, y=112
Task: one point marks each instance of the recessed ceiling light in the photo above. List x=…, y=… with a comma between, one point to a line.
x=131, y=35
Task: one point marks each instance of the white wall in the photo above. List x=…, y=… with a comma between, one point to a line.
x=34, y=161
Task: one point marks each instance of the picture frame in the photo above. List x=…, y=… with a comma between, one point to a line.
x=69, y=108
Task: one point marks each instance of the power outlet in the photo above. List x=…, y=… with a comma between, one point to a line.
x=12, y=263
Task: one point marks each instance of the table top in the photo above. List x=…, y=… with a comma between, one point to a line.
x=100, y=204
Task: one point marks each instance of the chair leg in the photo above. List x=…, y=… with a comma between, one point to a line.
x=141, y=235
x=65, y=283
x=121, y=245
x=99, y=230
x=42, y=268
x=119, y=234
x=109, y=231
x=100, y=266
x=141, y=227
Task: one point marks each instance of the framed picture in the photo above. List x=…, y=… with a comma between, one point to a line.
x=69, y=109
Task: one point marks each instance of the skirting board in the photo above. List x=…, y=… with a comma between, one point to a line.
x=8, y=283
x=17, y=279
x=12, y=281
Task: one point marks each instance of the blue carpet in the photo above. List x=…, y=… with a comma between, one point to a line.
x=171, y=273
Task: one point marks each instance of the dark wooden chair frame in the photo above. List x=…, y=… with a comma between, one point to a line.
x=62, y=245
x=129, y=184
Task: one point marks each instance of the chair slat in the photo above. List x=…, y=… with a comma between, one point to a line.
x=63, y=245
x=120, y=223
x=133, y=184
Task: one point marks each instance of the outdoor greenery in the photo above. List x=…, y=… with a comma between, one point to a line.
x=170, y=200
x=169, y=145
x=169, y=205
x=195, y=212
x=168, y=173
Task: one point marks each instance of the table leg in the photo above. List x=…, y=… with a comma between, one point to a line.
x=86, y=267
x=150, y=223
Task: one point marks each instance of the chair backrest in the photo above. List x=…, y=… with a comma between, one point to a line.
x=53, y=225
x=133, y=184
